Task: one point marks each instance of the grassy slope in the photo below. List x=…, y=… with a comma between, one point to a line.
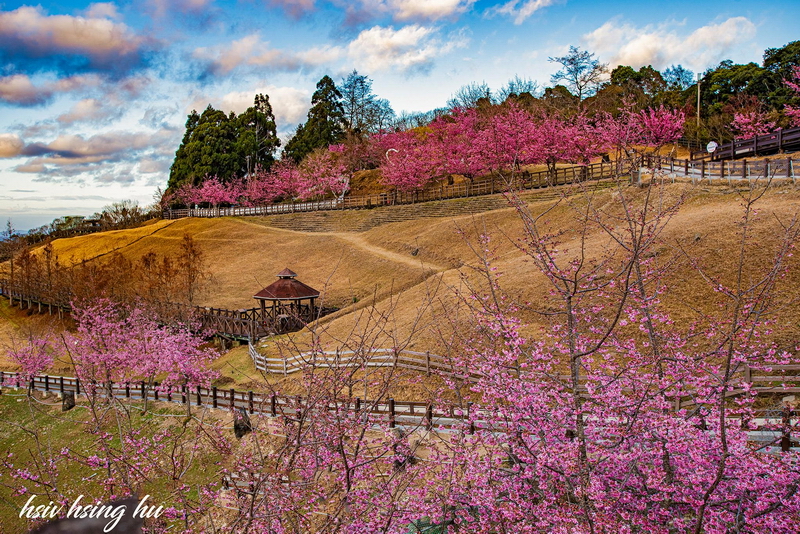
x=243, y=255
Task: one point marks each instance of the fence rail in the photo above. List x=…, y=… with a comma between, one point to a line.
x=243, y=324
x=426, y=362
x=379, y=411
x=771, y=143
x=522, y=180
x=743, y=170
x=702, y=169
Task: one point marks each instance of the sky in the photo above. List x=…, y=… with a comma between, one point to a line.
x=94, y=96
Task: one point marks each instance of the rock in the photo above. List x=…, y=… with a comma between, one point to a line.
x=241, y=423
x=68, y=402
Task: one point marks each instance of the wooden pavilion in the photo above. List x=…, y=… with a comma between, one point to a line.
x=291, y=301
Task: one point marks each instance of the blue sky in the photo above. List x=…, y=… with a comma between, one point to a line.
x=94, y=96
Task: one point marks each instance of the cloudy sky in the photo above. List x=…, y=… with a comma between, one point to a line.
x=94, y=96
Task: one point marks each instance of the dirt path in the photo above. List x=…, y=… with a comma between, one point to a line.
x=357, y=240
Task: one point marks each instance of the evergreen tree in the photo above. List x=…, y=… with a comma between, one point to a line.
x=207, y=148
x=257, y=137
x=325, y=124
x=225, y=146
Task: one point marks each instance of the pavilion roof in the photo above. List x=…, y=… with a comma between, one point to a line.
x=287, y=287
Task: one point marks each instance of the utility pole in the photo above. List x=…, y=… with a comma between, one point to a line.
x=699, y=77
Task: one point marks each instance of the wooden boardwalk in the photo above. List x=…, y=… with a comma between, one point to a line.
x=523, y=180
x=248, y=324
x=784, y=140
x=383, y=411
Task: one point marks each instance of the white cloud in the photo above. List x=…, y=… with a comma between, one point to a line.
x=18, y=89
x=620, y=43
x=521, y=11
x=295, y=8
x=289, y=104
x=403, y=10
x=101, y=10
x=10, y=145
x=40, y=34
x=250, y=50
x=410, y=48
x=88, y=109
x=162, y=8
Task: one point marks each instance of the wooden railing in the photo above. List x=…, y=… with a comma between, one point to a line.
x=243, y=324
x=426, y=362
x=386, y=410
x=381, y=410
x=771, y=143
x=522, y=180
x=783, y=168
x=731, y=170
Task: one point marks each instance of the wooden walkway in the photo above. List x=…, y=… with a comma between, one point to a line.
x=243, y=325
x=694, y=169
x=762, y=145
x=730, y=171
x=523, y=180
x=384, y=411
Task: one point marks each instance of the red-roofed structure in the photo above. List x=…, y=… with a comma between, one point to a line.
x=291, y=300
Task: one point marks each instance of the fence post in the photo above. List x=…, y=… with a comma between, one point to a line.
x=391, y=413
x=786, y=435
x=744, y=169
x=233, y=399
x=46, y=383
x=747, y=374
x=273, y=405
x=702, y=169
x=469, y=418
x=199, y=398
x=429, y=417
x=61, y=385
x=428, y=363
x=250, y=402
x=127, y=390
x=357, y=408
x=214, y=396
x=77, y=386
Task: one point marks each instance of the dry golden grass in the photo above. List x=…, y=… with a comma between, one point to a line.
x=414, y=294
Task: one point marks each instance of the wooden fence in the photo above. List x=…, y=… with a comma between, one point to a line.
x=379, y=411
x=404, y=359
x=522, y=180
x=771, y=143
x=732, y=171
x=243, y=324
x=384, y=410
x=695, y=169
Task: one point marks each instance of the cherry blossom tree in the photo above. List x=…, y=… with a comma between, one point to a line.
x=454, y=144
x=793, y=112
x=407, y=162
x=324, y=172
x=33, y=355
x=119, y=343
x=268, y=186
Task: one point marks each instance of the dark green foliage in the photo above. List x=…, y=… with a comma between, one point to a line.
x=226, y=146
x=257, y=138
x=325, y=124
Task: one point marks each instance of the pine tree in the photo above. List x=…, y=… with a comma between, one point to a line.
x=325, y=124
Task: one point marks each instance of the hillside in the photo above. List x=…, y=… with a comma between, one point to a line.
x=411, y=259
